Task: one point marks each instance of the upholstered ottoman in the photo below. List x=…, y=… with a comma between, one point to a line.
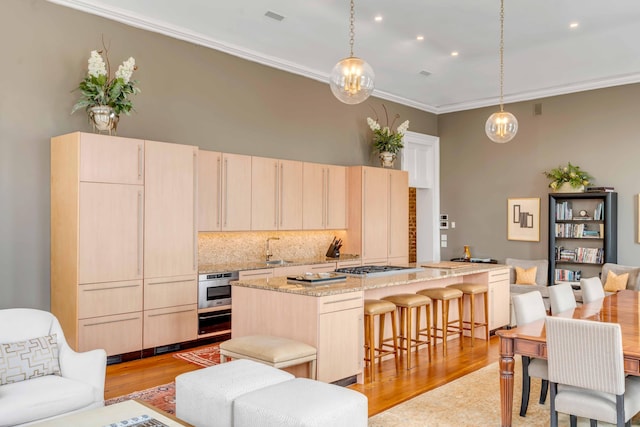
x=302, y=403
x=274, y=351
x=205, y=397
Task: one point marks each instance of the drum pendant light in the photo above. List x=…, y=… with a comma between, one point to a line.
x=351, y=80
x=502, y=126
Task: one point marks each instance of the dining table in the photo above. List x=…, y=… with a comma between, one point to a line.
x=622, y=307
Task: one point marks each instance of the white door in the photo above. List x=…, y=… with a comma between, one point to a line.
x=421, y=158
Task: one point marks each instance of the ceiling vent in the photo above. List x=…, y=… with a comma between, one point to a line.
x=425, y=73
x=274, y=15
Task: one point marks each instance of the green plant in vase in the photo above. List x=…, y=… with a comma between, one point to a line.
x=570, y=175
x=387, y=141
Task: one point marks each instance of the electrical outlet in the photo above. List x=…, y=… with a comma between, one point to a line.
x=443, y=243
x=453, y=224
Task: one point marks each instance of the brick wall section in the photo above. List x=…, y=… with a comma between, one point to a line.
x=412, y=225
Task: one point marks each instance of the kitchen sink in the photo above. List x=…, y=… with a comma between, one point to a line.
x=278, y=262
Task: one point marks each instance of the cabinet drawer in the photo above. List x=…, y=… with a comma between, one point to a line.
x=172, y=325
x=117, y=334
x=263, y=273
x=296, y=270
x=499, y=275
x=340, y=302
x=104, y=299
x=355, y=263
x=169, y=292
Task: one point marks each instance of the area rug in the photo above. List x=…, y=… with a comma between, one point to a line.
x=206, y=356
x=161, y=397
x=471, y=401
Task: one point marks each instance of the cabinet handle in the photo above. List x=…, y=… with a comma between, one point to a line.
x=195, y=208
x=281, y=193
x=140, y=232
x=111, y=321
x=226, y=188
x=324, y=198
x=219, y=198
x=168, y=282
x=169, y=314
x=252, y=274
x=275, y=197
x=110, y=288
x=140, y=163
x=327, y=197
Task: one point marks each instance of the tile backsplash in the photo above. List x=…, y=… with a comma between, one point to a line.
x=250, y=246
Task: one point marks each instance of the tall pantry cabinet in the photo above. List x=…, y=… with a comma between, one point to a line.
x=123, y=242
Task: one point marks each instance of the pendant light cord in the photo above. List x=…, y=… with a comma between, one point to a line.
x=352, y=30
x=501, y=53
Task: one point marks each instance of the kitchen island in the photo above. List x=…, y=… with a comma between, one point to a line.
x=330, y=316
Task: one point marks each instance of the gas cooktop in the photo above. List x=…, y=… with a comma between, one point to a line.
x=377, y=270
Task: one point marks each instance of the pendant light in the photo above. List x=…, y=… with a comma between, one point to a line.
x=351, y=80
x=502, y=126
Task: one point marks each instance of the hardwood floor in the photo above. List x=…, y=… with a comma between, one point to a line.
x=392, y=386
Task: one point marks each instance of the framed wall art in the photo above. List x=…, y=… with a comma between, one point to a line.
x=523, y=219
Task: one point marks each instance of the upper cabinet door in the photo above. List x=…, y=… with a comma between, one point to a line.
x=375, y=212
x=111, y=159
x=265, y=175
x=313, y=196
x=290, y=195
x=236, y=192
x=209, y=191
x=170, y=238
x=398, y=214
x=111, y=231
x=336, y=204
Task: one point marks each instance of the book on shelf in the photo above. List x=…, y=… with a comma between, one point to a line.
x=564, y=275
x=599, y=189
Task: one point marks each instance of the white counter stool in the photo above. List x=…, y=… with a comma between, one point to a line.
x=378, y=308
x=274, y=351
x=405, y=304
x=471, y=290
x=453, y=327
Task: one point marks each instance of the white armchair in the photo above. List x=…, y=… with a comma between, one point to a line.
x=37, y=394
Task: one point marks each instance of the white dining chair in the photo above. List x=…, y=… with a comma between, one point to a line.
x=561, y=298
x=529, y=308
x=586, y=372
x=592, y=289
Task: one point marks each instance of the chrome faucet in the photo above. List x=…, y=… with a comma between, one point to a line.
x=269, y=254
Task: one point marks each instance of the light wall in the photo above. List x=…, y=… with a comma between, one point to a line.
x=190, y=95
x=598, y=130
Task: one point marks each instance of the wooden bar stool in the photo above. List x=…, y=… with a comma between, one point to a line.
x=445, y=295
x=405, y=304
x=471, y=290
x=373, y=308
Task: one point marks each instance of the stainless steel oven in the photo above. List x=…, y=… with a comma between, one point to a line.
x=214, y=289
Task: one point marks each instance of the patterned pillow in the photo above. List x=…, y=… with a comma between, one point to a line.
x=37, y=357
x=526, y=277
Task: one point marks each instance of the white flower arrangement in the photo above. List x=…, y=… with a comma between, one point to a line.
x=385, y=139
x=97, y=89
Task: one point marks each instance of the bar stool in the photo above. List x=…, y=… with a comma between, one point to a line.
x=445, y=295
x=405, y=304
x=373, y=308
x=471, y=290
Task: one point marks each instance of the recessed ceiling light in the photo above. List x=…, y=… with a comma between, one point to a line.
x=454, y=53
x=378, y=18
x=420, y=38
x=574, y=25
x=273, y=15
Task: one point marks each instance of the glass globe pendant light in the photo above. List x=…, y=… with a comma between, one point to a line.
x=351, y=80
x=502, y=126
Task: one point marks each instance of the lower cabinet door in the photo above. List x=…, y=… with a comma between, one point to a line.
x=170, y=325
x=116, y=334
x=340, y=346
x=499, y=299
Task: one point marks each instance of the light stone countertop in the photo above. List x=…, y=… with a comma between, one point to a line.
x=257, y=265
x=354, y=284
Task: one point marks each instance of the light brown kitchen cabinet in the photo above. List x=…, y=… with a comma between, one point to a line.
x=499, y=299
x=262, y=273
x=104, y=240
x=378, y=215
x=324, y=199
x=165, y=326
x=296, y=270
x=224, y=191
x=276, y=194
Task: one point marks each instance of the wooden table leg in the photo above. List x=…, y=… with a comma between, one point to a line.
x=507, y=365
